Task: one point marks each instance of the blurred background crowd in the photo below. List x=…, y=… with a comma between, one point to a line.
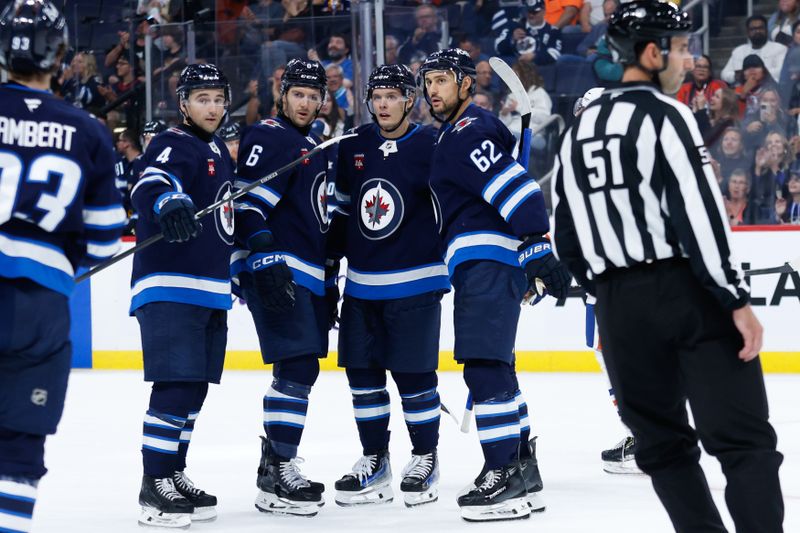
x=744, y=89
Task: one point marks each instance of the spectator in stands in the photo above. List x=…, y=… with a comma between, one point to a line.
x=731, y=154
x=122, y=47
x=81, y=82
x=736, y=200
x=426, y=37
x=342, y=95
x=262, y=99
x=172, y=53
x=257, y=23
x=592, y=14
x=790, y=73
x=781, y=22
x=702, y=85
x=771, y=53
x=604, y=66
x=289, y=43
x=563, y=14
x=597, y=31
x=768, y=117
x=484, y=100
x=716, y=115
x=533, y=40
x=541, y=105
x=472, y=47
x=485, y=78
x=155, y=9
x=338, y=54
x=333, y=116
x=122, y=80
x=787, y=209
x=391, y=45
x=757, y=80
x=769, y=177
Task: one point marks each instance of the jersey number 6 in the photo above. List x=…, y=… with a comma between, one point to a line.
x=483, y=162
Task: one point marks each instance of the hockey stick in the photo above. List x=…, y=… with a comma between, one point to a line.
x=786, y=268
x=200, y=214
x=506, y=73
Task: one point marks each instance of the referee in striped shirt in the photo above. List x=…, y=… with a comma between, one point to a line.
x=639, y=222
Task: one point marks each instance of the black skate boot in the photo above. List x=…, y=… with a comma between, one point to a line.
x=162, y=504
x=500, y=494
x=282, y=488
x=205, y=505
x=420, y=483
x=621, y=458
x=533, y=480
x=370, y=482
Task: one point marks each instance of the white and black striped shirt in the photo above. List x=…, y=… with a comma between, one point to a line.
x=634, y=185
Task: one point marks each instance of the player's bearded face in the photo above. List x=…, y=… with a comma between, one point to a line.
x=206, y=108
x=389, y=105
x=442, y=91
x=301, y=105
x=679, y=62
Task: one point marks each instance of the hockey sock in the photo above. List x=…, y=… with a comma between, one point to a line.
x=286, y=403
x=17, y=500
x=496, y=412
x=371, y=408
x=421, y=409
x=524, y=425
x=186, y=433
x=170, y=404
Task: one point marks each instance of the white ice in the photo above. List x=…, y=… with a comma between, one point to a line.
x=95, y=462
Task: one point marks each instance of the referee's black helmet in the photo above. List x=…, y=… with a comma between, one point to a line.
x=640, y=22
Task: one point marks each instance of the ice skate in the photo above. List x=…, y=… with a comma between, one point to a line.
x=420, y=483
x=162, y=504
x=621, y=458
x=500, y=494
x=533, y=480
x=369, y=483
x=283, y=489
x=205, y=505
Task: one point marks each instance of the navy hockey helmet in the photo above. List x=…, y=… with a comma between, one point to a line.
x=454, y=59
x=391, y=77
x=33, y=34
x=153, y=127
x=303, y=73
x=231, y=132
x=202, y=76
x=645, y=21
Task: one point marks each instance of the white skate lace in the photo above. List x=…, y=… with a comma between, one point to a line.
x=183, y=481
x=364, y=467
x=290, y=474
x=166, y=488
x=419, y=467
x=489, y=480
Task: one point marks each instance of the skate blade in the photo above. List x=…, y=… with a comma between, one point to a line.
x=204, y=514
x=370, y=496
x=150, y=517
x=269, y=503
x=624, y=467
x=415, y=499
x=536, y=502
x=513, y=509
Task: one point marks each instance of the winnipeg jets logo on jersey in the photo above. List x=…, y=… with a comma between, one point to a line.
x=319, y=201
x=389, y=147
x=272, y=123
x=463, y=123
x=32, y=104
x=380, y=209
x=224, y=215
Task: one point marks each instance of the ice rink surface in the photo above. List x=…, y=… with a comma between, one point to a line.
x=95, y=462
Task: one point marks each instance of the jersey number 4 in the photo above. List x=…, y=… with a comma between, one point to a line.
x=41, y=170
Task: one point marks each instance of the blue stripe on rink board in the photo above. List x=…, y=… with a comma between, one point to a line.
x=80, y=307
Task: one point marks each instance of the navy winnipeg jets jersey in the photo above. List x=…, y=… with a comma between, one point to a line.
x=391, y=238
x=293, y=206
x=59, y=207
x=487, y=200
x=198, y=271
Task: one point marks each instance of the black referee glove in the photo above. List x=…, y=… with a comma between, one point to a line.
x=536, y=257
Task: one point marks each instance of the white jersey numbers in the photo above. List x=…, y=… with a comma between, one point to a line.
x=252, y=159
x=163, y=157
x=485, y=156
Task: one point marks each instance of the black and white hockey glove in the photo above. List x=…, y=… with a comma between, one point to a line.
x=273, y=281
x=175, y=212
x=542, y=268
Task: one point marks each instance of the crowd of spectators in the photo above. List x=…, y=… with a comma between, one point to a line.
x=747, y=109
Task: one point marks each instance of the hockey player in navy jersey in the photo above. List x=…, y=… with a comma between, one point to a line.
x=59, y=209
x=282, y=228
x=493, y=225
x=181, y=290
x=230, y=135
x=395, y=281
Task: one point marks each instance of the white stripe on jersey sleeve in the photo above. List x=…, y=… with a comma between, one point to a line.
x=105, y=217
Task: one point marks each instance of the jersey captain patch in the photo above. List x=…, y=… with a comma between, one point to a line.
x=380, y=209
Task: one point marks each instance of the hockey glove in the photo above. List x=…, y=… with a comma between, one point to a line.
x=332, y=292
x=175, y=212
x=273, y=281
x=542, y=268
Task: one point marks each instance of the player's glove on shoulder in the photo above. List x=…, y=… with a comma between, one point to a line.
x=536, y=257
x=272, y=279
x=175, y=212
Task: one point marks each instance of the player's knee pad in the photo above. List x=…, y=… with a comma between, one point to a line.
x=489, y=380
x=21, y=455
x=178, y=398
x=303, y=370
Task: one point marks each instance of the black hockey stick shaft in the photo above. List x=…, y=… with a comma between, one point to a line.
x=200, y=214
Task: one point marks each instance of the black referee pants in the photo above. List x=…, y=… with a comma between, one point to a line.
x=665, y=340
